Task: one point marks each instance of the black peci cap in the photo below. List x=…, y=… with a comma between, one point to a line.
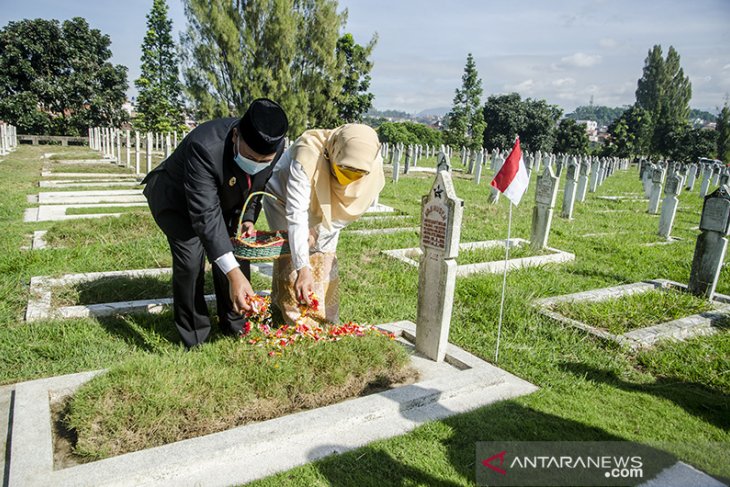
x=263, y=125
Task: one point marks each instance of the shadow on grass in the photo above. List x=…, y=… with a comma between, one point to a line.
x=125, y=288
x=152, y=332
x=381, y=464
x=697, y=399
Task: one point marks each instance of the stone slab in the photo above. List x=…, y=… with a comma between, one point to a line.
x=58, y=212
x=82, y=162
x=556, y=257
x=39, y=240
x=460, y=384
x=383, y=231
x=380, y=208
x=85, y=183
x=680, y=329
x=682, y=475
x=93, y=197
x=6, y=405
x=376, y=218
x=90, y=175
x=41, y=295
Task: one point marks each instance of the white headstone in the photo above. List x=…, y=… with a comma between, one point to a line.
x=571, y=186
x=546, y=192
x=441, y=214
x=711, y=243
x=669, y=205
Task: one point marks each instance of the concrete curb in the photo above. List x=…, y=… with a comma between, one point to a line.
x=462, y=383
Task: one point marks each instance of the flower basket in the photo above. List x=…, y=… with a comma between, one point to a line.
x=261, y=245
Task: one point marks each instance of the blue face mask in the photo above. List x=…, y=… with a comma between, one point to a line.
x=247, y=165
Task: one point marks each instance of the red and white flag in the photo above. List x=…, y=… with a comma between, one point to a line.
x=512, y=178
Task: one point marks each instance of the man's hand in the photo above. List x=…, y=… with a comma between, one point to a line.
x=238, y=289
x=304, y=285
x=248, y=229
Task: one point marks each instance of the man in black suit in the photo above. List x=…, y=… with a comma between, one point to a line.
x=196, y=197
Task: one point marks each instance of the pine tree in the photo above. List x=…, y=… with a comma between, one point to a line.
x=723, y=134
x=354, y=99
x=235, y=51
x=159, y=105
x=664, y=91
x=465, y=121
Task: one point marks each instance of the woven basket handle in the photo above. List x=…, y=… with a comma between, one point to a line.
x=243, y=211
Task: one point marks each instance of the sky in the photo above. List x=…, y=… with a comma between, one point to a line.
x=567, y=52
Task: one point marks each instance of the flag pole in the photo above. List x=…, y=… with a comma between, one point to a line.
x=504, y=283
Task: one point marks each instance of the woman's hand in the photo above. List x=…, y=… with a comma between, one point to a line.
x=304, y=285
x=238, y=289
x=248, y=229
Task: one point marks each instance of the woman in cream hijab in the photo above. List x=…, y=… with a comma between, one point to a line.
x=326, y=180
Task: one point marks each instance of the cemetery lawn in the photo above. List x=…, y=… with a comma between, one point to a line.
x=634, y=311
x=154, y=400
x=76, y=154
x=107, y=209
x=476, y=256
x=93, y=168
x=675, y=396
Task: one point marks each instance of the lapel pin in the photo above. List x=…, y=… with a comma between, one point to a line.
x=232, y=181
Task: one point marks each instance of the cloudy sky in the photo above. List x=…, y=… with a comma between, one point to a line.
x=565, y=51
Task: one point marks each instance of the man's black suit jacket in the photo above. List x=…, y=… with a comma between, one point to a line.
x=201, y=182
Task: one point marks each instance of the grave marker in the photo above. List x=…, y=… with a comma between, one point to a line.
x=711, y=243
x=542, y=215
x=441, y=214
x=669, y=205
x=657, y=176
x=585, y=169
x=571, y=184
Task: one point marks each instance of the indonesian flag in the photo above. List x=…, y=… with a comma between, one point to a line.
x=512, y=178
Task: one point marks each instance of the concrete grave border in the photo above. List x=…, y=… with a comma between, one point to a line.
x=494, y=267
x=41, y=294
x=383, y=231
x=461, y=383
x=679, y=329
x=91, y=175
x=52, y=213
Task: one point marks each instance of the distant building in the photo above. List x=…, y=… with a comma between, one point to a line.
x=591, y=129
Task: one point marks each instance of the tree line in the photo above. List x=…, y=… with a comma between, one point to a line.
x=56, y=78
x=657, y=125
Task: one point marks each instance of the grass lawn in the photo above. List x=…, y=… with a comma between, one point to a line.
x=635, y=311
x=676, y=395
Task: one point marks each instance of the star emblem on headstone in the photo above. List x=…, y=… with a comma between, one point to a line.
x=438, y=191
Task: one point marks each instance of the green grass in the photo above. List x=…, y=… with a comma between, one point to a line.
x=634, y=311
x=93, y=168
x=107, y=209
x=676, y=393
x=114, y=289
x=147, y=401
x=476, y=256
x=78, y=154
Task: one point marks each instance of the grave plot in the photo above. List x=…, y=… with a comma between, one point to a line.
x=612, y=313
x=67, y=205
x=469, y=259
x=54, y=297
x=460, y=383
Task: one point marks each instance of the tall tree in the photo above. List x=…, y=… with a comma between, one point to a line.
x=508, y=115
x=354, y=100
x=651, y=84
x=235, y=51
x=631, y=133
x=723, y=134
x=159, y=104
x=465, y=122
x=664, y=91
x=571, y=137
x=56, y=78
